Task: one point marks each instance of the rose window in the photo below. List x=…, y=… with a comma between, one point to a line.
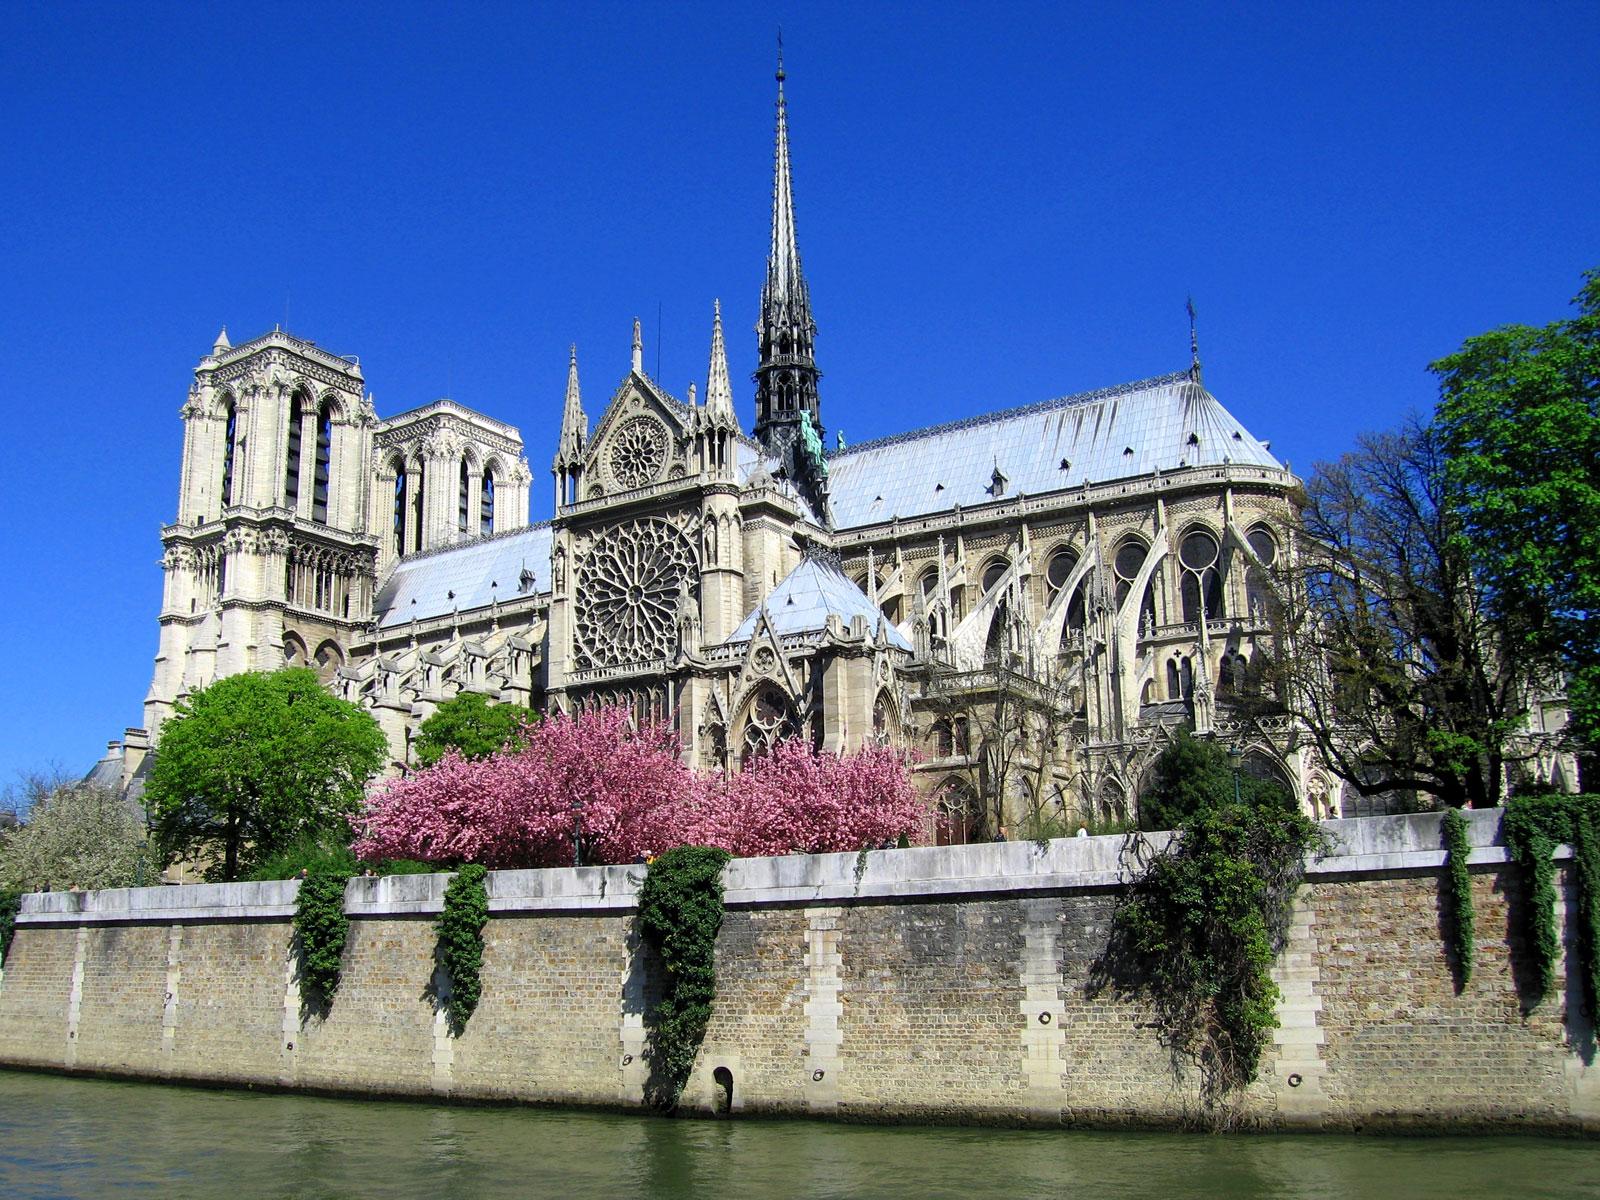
x=638, y=453
x=628, y=589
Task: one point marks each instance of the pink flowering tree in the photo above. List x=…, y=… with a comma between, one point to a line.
x=516, y=808
x=635, y=797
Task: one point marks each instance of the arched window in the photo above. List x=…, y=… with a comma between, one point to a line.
x=994, y=647
x=230, y=435
x=324, y=464
x=1174, y=687
x=959, y=818
x=294, y=651
x=993, y=573
x=291, y=461
x=400, y=508
x=415, y=484
x=1125, y=566
x=1256, y=585
x=769, y=720
x=486, y=504
x=885, y=722
x=1063, y=561
x=461, y=501
x=1225, y=681
x=1202, y=581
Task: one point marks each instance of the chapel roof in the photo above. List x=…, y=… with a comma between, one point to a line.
x=476, y=572
x=807, y=596
x=1166, y=423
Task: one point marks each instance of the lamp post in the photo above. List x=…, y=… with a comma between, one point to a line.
x=577, y=832
x=1236, y=760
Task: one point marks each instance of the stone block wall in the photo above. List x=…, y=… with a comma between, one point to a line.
x=936, y=984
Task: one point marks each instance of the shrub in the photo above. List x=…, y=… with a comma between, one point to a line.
x=680, y=912
x=1534, y=826
x=10, y=902
x=321, y=928
x=1460, y=918
x=460, y=928
x=1198, y=932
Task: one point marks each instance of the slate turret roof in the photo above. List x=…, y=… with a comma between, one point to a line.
x=808, y=596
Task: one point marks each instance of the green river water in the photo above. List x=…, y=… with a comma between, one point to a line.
x=64, y=1137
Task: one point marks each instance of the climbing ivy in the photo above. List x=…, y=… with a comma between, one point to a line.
x=460, y=928
x=1460, y=919
x=320, y=927
x=1534, y=826
x=10, y=902
x=680, y=912
x=1199, y=930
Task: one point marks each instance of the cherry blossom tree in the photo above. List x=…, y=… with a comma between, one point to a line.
x=631, y=794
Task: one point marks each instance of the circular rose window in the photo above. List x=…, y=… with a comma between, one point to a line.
x=638, y=453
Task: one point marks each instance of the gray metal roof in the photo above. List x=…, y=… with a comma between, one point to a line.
x=808, y=596
x=1166, y=423
x=476, y=572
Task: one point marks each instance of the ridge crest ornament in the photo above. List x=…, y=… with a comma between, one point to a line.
x=628, y=590
x=638, y=452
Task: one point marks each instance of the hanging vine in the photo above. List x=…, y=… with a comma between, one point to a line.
x=1460, y=917
x=1533, y=827
x=1199, y=930
x=320, y=928
x=680, y=912
x=460, y=928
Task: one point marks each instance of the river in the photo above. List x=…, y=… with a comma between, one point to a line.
x=74, y=1137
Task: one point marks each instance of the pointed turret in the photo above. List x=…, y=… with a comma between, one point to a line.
x=574, y=423
x=574, y=439
x=719, y=391
x=222, y=345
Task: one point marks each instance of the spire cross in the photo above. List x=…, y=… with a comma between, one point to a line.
x=1194, y=345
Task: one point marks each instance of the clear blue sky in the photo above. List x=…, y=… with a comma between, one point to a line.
x=996, y=204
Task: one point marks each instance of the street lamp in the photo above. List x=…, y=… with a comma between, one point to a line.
x=577, y=832
x=1236, y=760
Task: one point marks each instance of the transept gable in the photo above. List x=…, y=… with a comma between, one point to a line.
x=644, y=437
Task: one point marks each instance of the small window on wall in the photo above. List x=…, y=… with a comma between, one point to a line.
x=486, y=505
x=230, y=435
x=399, y=509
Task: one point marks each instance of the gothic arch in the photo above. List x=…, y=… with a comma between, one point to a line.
x=329, y=658
x=767, y=717
x=294, y=651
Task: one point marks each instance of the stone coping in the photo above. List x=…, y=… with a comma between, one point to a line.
x=1363, y=845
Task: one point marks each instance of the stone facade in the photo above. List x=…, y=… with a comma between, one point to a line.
x=944, y=983
x=1076, y=576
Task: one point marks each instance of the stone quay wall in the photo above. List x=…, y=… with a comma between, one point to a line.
x=936, y=984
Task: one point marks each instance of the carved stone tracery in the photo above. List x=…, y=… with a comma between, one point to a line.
x=628, y=587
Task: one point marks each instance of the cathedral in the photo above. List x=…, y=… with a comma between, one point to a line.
x=1031, y=599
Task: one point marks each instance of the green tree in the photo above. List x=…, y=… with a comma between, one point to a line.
x=1383, y=647
x=80, y=835
x=255, y=763
x=1195, y=775
x=470, y=724
x=1519, y=419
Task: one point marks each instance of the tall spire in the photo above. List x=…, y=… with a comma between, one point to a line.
x=719, y=392
x=786, y=376
x=1194, y=345
x=574, y=424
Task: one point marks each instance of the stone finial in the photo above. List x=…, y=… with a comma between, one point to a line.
x=719, y=391
x=638, y=348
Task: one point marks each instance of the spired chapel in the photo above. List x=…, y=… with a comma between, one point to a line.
x=1033, y=599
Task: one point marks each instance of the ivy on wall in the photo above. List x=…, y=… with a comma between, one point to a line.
x=680, y=912
x=1460, y=920
x=460, y=928
x=1199, y=930
x=320, y=928
x=10, y=902
x=1534, y=826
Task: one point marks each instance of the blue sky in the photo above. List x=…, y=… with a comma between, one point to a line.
x=995, y=205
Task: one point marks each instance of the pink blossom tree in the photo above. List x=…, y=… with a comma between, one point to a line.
x=635, y=797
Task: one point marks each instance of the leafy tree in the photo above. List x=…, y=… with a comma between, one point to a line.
x=81, y=835
x=255, y=763
x=1384, y=648
x=473, y=727
x=1519, y=418
x=1194, y=775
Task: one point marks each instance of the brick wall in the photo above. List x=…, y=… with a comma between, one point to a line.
x=954, y=984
